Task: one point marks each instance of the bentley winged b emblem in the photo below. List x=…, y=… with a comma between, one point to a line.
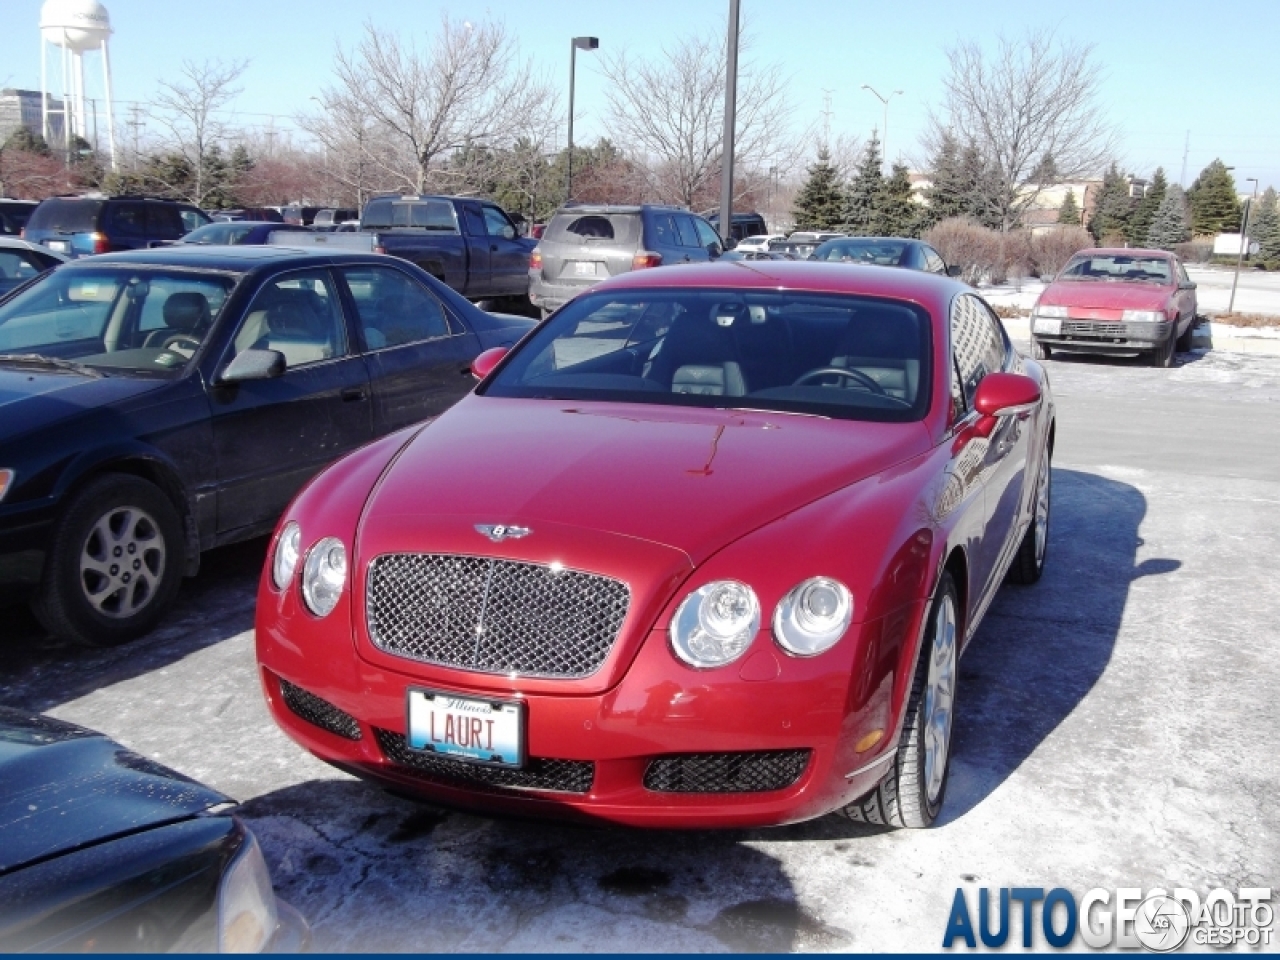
x=499, y=532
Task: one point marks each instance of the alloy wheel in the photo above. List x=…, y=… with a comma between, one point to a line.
x=939, y=698
x=122, y=562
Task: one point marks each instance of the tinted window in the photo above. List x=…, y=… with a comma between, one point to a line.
x=664, y=231
x=127, y=219
x=976, y=344
x=392, y=308
x=496, y=221
x=706, y=235
x=585, y=227
x=475, y=222
x=14, y=216
x=164, y=222
x=688, y=233
x=757, y=349
x=66, y=215
x=191, y=218
x=297, y=314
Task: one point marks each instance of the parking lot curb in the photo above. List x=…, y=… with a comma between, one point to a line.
x=1210, y=336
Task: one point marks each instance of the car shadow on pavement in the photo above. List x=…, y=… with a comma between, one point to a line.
x=39, y=672
x=374, y=872
x=1101, y=360
x=1040, y=649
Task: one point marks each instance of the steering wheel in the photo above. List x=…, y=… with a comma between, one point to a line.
x=849, y=374
x=181, y=340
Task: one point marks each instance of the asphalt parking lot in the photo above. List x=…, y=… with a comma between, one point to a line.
x=1116, y=727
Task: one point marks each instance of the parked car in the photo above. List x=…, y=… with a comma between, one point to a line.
x=795, y=249
x=329, y=218
x=303, y=216
x=885, y=252
x=701, y=551
x=759, y=241
x=20, y=261
x=14, y=215
x=246, y=232
x=743, y=225
x=1118, y=302
x=80, y=226
x=257, y=214
x=105, y=851
x=163, y=402
x=586, y=243
x=740, y=254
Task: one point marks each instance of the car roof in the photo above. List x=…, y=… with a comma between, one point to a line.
x=236, y=259
x=1124, y=252
x=805, y=275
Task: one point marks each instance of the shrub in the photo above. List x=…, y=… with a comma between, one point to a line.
x=1051, y=250
x=1194, y=252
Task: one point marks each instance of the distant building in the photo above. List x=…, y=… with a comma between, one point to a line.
x=21, y=108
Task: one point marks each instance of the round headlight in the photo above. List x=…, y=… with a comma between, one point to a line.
x=285, y=562
x=715, y=624
x=324, y=576
x=813, y=616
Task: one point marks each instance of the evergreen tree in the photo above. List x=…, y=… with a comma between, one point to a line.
x=1265, y=227
x=900, y=215
x=981, y=188
x=23, y=140
x=865, y=200
x=819, y=202
x=1215, y=208
x=947, y=195
x=1261, y=213
x=1115, y=206
x=1069, y=212
x=1169, y=226
x=1145, y=211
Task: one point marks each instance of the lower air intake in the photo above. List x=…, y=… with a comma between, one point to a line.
x=550, y=776
x=749, y=772
x=317, y=712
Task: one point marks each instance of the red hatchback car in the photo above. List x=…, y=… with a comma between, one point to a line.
x=701, y=551
x=1117, y=302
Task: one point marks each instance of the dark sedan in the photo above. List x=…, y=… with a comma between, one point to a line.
x=239, y=232
x=102, y=850
x=885, y=252
x=158, y=403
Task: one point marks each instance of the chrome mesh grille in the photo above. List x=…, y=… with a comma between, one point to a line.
x=551, y=776
x=748, y=772
x=320, y=713
x=493, y=616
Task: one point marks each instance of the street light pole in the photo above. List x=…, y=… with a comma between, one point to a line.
x=884, y=133
x=576, y=44
x=730, y=121
x=1244, y=238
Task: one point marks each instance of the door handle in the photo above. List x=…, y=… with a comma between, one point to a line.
x=353, y=394
x=493, y=248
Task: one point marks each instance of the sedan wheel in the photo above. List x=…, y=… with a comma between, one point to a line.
x=911, y=794
x=1028, y=562
x=114, y=564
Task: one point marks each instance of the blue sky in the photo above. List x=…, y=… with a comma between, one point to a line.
x=1169, y=67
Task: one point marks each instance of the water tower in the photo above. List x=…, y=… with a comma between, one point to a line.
x=76, y=27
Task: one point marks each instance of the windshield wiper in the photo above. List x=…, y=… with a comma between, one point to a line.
x=35, y=360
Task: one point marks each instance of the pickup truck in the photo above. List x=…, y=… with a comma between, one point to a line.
x=469, y=244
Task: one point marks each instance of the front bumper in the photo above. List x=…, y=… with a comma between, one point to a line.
x=553, y=296
x=1101, y=336
x=25, y=530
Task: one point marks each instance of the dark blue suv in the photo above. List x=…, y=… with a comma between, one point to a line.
x=80, y=226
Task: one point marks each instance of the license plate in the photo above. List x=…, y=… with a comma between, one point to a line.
x=482, y=731
x=59, y=245
x=584, y=268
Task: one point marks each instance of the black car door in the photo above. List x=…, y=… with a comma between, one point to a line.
x=418, y=355
x=508, y=256
x=270, y=436
x=479, y=272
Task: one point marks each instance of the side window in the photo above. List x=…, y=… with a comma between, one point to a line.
x=706, y=233
x=297, y=314
x=475, y=222
x=191, y=219
x=1182, y=273
x=664, y=231
x=496, y=221
x=932, y=262
x=976, y=345
x=688, y=233
x=19, y=265
x=392, y=309
x=127, y=219
x=164, y=222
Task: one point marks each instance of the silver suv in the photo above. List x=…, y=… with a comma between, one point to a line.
x=586, y=243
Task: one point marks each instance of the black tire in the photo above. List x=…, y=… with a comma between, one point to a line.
x=1162, y=356
x=130, y=601
x=1040, y=350
x=902, y=797
x=1028, y=563
x=1184, y=342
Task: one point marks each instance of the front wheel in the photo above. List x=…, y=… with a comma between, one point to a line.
x=1028, y=563
x=1162, y=356
x=1040, y=350
x=911, y=794
x=114, y=564
x=1184, y=341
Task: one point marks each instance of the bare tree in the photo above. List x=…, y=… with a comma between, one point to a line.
x=468, y=88
x=188, y=109
x=669, y=112
x=1031, y=108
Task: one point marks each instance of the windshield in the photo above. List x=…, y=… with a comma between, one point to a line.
x=835, y=356
x=220, y=233
x=1117, y=267
x=121, y=320
x=887, y=253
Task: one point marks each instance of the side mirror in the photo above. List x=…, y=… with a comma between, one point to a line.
x=1006, y=394
x=509, y=232
x=254, y=365
x=954, y=270
x=730, y=243
x=483, y=365
x=1186, y=286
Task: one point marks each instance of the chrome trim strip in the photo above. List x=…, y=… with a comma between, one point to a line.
x=879, y=761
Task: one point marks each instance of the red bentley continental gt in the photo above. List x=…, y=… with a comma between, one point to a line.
x=701, y=551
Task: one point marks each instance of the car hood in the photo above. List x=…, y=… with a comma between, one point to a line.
x=686, y=478
x=63, y=787
x=1106, y=295
x=31, y=400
